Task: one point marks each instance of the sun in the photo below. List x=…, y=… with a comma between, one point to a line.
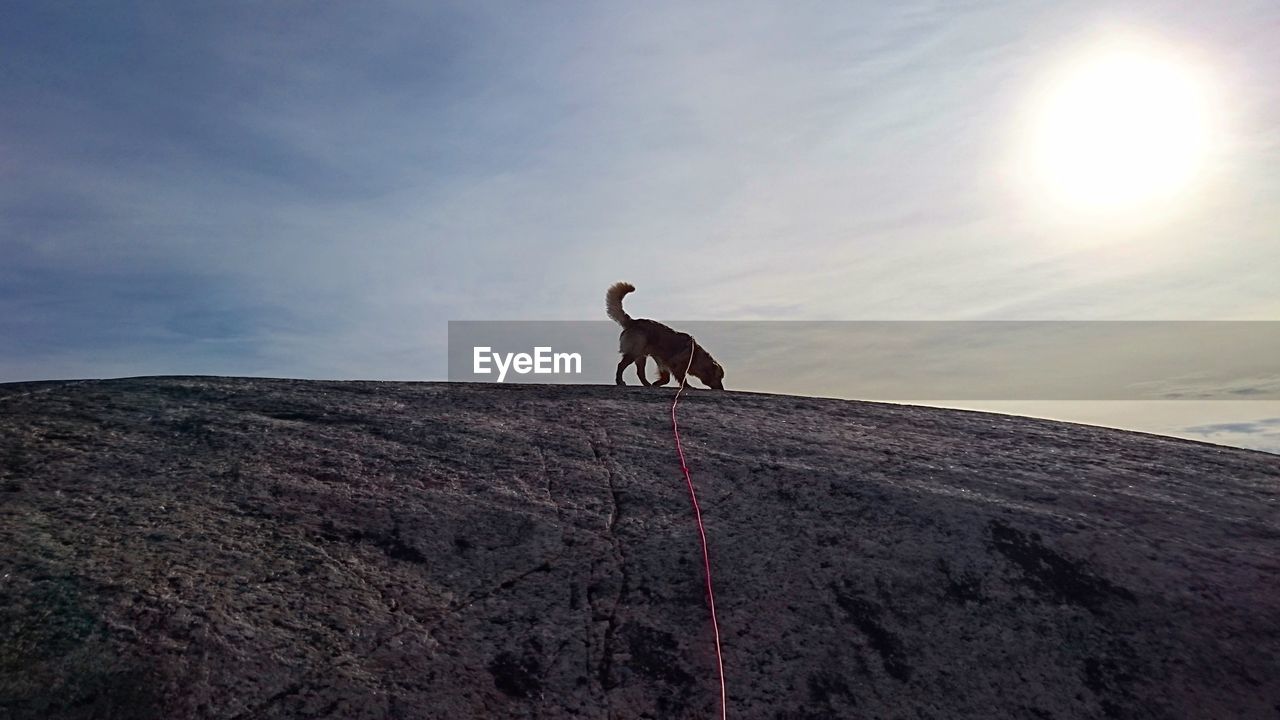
x=1122, y=127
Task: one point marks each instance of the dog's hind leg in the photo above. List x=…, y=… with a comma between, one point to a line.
x=622, y=365
x=641, y=362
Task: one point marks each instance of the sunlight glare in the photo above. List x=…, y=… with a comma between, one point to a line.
x=1120, y=129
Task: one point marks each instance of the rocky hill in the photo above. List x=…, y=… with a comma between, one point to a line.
x=244, y=548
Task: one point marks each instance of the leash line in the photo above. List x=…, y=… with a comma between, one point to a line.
x=702, y=532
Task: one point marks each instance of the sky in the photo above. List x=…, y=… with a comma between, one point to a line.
x=314, y=189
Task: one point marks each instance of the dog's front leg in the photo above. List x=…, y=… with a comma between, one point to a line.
x=663, y=376
x=678, y=365
x=679, y=375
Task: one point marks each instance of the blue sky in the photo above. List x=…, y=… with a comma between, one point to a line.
x=314, y=189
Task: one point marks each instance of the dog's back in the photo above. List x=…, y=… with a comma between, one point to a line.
x=651, y=337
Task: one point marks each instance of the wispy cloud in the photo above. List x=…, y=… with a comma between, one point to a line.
x=313, y=190
x=1238, y=428
x=1262, y=434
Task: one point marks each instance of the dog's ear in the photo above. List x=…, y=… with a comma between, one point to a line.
x=717, y=379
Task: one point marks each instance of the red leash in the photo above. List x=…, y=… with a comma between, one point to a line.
x=702, y=532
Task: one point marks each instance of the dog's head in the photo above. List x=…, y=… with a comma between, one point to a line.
x=706, y=369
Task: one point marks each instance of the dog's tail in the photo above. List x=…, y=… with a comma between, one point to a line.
x=613, y=303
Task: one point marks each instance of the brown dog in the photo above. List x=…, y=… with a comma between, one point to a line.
x=642, y=339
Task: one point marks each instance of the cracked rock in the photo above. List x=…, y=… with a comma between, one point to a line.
x=197, y=547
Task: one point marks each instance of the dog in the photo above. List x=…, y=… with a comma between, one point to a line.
x=642, y=339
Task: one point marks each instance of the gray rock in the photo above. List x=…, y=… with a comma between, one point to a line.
x=245, y=548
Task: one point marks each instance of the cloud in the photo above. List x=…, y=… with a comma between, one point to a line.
x=1233, y=379
x=1262, y=434
x=1265, y=425
x=315, y=193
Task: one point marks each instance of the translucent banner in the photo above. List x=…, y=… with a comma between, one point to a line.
x=908, y=361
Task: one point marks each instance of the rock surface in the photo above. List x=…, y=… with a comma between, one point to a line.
x=248, y=548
